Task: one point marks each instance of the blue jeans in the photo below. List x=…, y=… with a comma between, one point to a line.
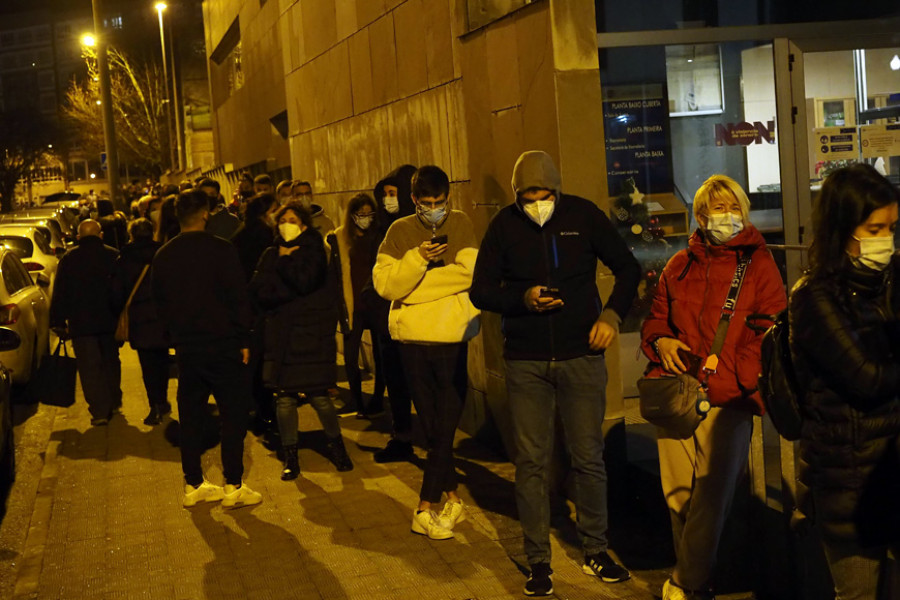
x=288, y=421
x=577, y=388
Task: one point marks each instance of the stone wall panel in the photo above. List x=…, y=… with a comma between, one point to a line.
x=384, y=60
x=438, y=41
x=319, y=26
x=412, y=70
x=361, y=72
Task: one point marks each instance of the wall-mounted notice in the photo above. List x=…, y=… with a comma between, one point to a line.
x=637, y=138
x=836, y=143
x=880, y=140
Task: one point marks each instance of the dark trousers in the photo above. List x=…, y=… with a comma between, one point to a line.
x=398, y=390
x=437, y=378
x=352, y=343
x=223, y=374
x=100, y=372
x=263, y=399
x=155, y=372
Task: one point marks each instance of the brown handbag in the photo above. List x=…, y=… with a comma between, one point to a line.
x=122, y=324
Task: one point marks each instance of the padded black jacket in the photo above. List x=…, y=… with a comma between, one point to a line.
x=845, y=341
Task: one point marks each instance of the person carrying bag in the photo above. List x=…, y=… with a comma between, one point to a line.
x=678, y=404
x=704, y=296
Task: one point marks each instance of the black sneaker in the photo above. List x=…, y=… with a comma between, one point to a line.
x=395, y=451
x=603, y=566
x=154, y=418
x=539, y=582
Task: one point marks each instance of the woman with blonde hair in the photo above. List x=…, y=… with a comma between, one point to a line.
x=699, y=474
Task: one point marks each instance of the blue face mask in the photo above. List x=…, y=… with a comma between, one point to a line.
x=433, y=216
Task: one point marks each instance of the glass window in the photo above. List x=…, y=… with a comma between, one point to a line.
x=22, y=247
x=12, y=272
x=42, y=239
x=656, y=160
x=852, y=110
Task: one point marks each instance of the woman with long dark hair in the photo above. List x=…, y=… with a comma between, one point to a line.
x=845, y=341
x=292, y=286
x=354, y=247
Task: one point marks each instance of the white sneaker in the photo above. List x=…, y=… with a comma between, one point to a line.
x=205, y=492
x=453, y=513
x=427, y=523
x=237, y=497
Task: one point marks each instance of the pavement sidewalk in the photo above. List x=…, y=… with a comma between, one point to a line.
x=108, y=522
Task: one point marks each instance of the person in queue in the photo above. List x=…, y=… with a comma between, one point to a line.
x=845, y=342
x=292, y=286
x=394, y=202
x=424, y=267
x=537, y=267
x=699, y=474
x=354, y=246
x=146, y=333
x=201, y=297
x=301, y=191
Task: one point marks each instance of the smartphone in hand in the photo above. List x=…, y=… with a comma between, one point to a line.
x=550, y=292
x=439, y=239
x=692, y=362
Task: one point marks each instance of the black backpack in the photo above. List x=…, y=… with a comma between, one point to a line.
x=777, y=381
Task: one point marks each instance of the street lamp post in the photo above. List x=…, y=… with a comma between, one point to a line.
x=109, y=126
x=160, y=7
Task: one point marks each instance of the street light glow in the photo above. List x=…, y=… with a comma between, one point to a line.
x=160, y=6
x=88, y=40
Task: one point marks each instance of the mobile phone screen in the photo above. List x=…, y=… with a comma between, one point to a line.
x=439, y=239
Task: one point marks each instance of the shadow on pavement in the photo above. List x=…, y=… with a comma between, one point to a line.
x=251, y=551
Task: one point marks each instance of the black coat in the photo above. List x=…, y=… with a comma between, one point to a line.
x=517, y=254
x=82, y=294
x=251, y=240
x=298, y=297
x=845, y=338
x=145, y=328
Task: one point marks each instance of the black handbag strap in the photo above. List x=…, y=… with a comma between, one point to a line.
x=61, y=344
x=728, y=311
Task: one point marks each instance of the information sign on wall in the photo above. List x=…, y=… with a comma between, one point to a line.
x=880, y=140
x=637, y=138
x=836, y=143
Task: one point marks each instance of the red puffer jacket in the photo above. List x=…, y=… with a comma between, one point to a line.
x=688, y=304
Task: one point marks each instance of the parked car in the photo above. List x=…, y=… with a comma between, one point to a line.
x=33, y=248
x=58, y=238
x=24, y=318
x=66, y=218
x=7, y=443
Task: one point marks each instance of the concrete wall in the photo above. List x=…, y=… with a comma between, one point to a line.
x=373, y=84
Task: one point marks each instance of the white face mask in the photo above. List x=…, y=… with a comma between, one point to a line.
x=876, y=252
x=362, y=222
x=392, y=204
x=724, y=227
x=539, y=211
x=289, y=231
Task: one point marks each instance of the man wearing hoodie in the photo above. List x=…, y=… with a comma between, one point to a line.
x=537, y=267
x=424, y=267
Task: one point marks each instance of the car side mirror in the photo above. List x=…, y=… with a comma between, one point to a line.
x=43, y=280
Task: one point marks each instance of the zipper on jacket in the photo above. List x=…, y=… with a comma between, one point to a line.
x=549, y=284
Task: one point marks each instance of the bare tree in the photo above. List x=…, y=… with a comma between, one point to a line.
x=25, y=137
x=139, y=109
